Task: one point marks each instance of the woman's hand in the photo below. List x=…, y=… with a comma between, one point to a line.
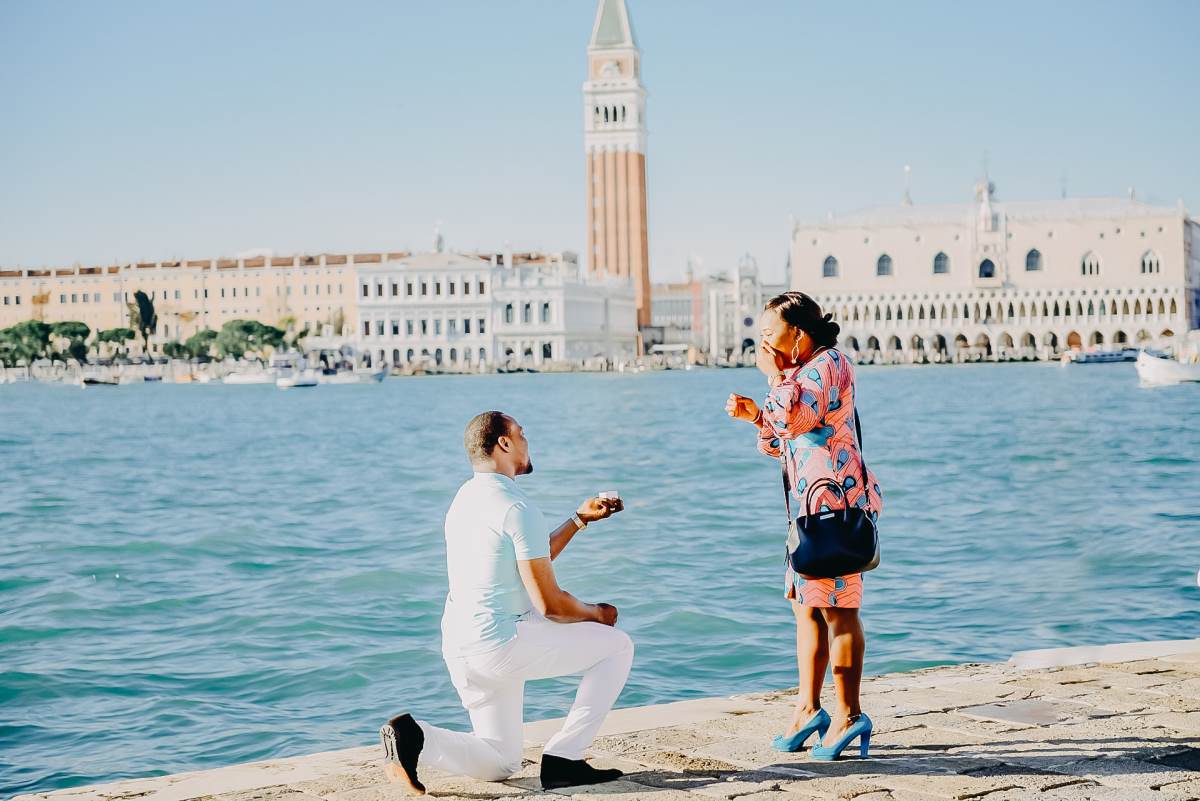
x=769, y=361
x=739, y=407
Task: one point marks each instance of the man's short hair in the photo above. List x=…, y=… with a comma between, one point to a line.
x=483, y=432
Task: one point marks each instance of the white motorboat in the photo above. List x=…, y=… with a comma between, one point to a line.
x=1157, y=371
x=359, y=376
x=295, y=379
x=1098, y=356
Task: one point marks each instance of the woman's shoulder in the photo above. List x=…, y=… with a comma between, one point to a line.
x=830, y=360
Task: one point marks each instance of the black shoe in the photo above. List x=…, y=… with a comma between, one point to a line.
x=558, y=772
x=402, y=744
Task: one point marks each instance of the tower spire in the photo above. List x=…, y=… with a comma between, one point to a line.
x=614, y=124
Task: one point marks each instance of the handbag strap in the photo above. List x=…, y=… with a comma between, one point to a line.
x=787, y=486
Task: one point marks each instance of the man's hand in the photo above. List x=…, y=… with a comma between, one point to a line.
x=606, y=614
x=594, y=509
x=739, y=407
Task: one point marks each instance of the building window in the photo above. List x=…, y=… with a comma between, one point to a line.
x=379, y=327
x=74, y=298
x=408, y=329
x=884, y=265
x=85, y=297
x=987, y=269
x=482, y=287
x=482, y=355
x=437, y=328
x=526, y=313
x=366, y=291
x=395, y=290
x=408, y=290
x=545, y=312
x=395, y=328
x=547, y=350
x=437, y=287
x=830, y=268
x=424, y=289
x=366, y=328
x=482, y=330
x=450, y=287
x=466, y=287
x=941, y=264
x=466, y=325
x=452, y=326
x=1150, y=263
x=424, y=328
x=508, y=314
x=1089, y=264
x=1033, y=261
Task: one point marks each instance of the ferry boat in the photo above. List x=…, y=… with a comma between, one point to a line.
x=290, y=371
x=1099, y=356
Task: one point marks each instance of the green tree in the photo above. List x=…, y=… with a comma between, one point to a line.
x=175, y=350
x=117, y=337
x=143, y=318
x=199, y=345
x=76, y=334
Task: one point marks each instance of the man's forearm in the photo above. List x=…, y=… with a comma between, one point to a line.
x=569, y=609
x=561, y=536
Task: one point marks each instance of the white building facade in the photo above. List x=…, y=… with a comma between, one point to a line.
x=468, y=312
x=1002, y=280
x=718, y=314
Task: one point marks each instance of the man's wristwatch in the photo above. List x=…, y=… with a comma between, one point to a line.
x=578, y=521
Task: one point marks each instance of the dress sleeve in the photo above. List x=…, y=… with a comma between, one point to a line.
x=795, y=406
x=526, y=526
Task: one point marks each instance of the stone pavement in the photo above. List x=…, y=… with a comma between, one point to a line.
x=1115, y=723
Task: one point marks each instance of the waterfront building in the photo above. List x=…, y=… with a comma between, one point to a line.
x=190, y=295
x=463, y=311
x=614, y=123
x=1002, y=280
x=718, y=314
x=454, y=310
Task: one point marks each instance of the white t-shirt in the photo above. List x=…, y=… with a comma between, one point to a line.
x=490, y=525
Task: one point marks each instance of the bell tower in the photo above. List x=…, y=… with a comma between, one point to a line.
x=614, y=124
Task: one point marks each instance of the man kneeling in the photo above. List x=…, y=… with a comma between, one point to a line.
x=507, y=621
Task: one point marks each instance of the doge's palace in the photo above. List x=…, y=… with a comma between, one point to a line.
x=1002, y=280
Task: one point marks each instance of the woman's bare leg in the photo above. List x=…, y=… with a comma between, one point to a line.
x=812, y=660
x=848, y=644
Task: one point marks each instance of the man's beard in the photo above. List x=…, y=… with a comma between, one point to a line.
x=527, y=469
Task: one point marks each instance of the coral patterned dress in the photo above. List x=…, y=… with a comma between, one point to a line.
x=808, y=417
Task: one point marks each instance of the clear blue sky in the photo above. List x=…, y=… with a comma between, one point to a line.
x=148, y=130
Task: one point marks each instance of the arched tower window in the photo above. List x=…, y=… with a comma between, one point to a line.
x=1089, y=264
x=1033, y=261
x=1150, y=263
x=830, y=268
x=884, y=265
x=941, y=264
x=987, y=269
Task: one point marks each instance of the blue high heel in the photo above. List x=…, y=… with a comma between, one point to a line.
x=860, y=728
x=819, y=724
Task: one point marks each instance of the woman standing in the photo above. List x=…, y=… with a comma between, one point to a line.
x=808, y=421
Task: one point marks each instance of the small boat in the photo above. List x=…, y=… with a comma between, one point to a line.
x=359, y=376
x=296, y=379
x=1158, y=371
x=97, y=382
x=1097, y=356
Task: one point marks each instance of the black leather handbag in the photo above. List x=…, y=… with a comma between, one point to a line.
x=832, y=543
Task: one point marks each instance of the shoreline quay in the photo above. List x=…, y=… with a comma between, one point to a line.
x=1116, y=722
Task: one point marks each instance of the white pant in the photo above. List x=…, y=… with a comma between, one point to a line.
x=492, y=688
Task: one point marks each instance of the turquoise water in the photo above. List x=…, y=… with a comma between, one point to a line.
x=192, y=576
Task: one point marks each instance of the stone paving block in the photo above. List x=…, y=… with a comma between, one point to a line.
x=279, y=792
x=747, y=752
x=1183, y=722
x=339, y=782
x=1029, y=712
x=623, y=791
x=676, y=738
x=691, y=763
x=953, y=785
x=741, y=785
x=1095, y=792
x=842, y=788
x=1118, y=772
